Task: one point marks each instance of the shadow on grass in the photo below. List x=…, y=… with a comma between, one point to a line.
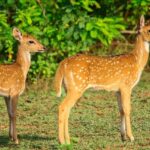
x=32, y=137
x=5, y=141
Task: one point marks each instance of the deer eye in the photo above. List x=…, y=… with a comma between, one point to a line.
x=31, y=42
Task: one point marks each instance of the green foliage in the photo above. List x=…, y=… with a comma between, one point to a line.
x=86, y=4
x=136, y=8
x=65, y=27
x=6, y=42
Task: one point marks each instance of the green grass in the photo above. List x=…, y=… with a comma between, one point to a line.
x=94, y=121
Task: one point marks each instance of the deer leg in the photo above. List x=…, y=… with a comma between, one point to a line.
x=61, y=123
x=71, y=102
x=12, y=113
x=122, y=126
x=64, y=110
x=125, y=99
x=7, y=101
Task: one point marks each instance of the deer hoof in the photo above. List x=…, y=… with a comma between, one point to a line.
x=16, y=141
x=123, y=137
x=131, y=138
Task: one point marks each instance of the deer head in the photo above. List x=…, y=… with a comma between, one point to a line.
x=28, y=43
x=144, y=30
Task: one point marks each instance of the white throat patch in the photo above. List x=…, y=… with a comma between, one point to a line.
x=146, y=44
x=28, y=56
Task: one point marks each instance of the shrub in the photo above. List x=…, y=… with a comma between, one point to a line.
x=64, y=27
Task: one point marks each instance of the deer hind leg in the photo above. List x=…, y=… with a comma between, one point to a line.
x=11, y=104
x=126, y=106
x=122, y=126
x=64, y=110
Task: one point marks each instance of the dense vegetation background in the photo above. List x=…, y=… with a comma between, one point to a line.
x=67, y=27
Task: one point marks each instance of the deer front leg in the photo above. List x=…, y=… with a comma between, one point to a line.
x=11, y=107
x=7, y=101
x=122, y=126
x=13, y=110
x=126, y=106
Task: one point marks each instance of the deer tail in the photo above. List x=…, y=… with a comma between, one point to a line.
x=58, y=80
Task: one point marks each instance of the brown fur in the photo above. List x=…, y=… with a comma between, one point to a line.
x=13, y=77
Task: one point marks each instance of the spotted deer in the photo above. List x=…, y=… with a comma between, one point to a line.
x=112, y=73
x=13, y=77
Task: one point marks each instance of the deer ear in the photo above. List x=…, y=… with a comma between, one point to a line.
x=17, y=34
x=142, y=21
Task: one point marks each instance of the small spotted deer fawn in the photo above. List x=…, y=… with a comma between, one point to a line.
x=13, y=77
x=113, y=73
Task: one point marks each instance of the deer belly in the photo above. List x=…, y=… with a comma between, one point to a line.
x=109, y=87
x=137, y=79
x=11, y=87
x=4, y=92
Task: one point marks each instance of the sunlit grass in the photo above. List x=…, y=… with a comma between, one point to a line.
x=93, y=123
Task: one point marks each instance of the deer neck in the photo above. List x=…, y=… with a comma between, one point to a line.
x=24, y=60
x=141, y=52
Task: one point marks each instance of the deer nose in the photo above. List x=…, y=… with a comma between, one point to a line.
x=44, y=48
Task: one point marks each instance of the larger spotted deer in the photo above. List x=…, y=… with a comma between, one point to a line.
x=113, y=73
x=13, y=77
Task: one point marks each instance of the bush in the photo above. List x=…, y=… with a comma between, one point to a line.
x=64, y=27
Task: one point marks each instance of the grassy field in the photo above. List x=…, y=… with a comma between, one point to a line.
x=94, y=121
